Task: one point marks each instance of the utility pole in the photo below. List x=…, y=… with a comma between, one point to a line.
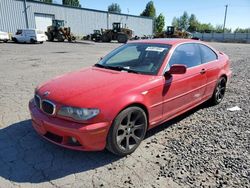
x=225, y=18
x=25, y=12
x=108, y=20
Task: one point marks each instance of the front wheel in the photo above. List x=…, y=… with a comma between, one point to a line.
x=32, y=41
x=127, y=131
x=219, y=91
x=15, y=40
x=122, y=38
x=105, y=38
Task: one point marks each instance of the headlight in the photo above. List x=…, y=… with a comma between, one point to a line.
x=78, y=113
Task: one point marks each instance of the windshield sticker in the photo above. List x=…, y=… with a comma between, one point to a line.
x=155, y=49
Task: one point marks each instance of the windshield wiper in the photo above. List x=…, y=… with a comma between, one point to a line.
x=119, y=68
x=104, y=66
x=100, y=65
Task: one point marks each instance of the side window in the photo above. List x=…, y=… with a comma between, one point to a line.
x=207, y=54
x=19, y=32
x=186, y=54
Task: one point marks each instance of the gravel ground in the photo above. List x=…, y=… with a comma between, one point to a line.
x=208, y=146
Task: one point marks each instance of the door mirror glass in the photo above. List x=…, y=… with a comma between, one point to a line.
x=177, y=69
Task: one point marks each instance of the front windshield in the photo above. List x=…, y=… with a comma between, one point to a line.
x=144, y=58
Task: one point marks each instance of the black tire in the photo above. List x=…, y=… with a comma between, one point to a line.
x=60, y=37
x=219, y=91
x=32, y=41
x=15, y=40
x=41, y=42
x=105, y=38
x=5, y=41
x=122, y=38
x=50, y=37
x=127, y=131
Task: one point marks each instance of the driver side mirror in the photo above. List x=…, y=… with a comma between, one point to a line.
x=177, y=69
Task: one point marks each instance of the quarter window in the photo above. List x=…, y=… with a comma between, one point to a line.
x=207, y=54
x=186, y=54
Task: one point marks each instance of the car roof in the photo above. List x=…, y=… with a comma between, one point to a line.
x=170, y=41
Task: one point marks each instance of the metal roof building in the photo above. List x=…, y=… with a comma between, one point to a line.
x=81, y=20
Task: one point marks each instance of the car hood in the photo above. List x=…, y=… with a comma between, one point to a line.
x=88, y=87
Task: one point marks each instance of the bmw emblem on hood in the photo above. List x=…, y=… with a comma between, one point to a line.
x=46, y=93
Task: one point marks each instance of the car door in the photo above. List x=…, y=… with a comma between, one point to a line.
x=28, y=34
x=20, y=35
x=211, y=67
x=182, y=91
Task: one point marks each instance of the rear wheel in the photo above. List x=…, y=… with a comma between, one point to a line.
x=122, y=38
x=127, y=131
x=219, y=91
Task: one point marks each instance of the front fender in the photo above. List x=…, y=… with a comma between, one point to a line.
x=124, y=102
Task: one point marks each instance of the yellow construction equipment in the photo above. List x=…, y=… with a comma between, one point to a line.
x=58, y=32
x=172, y=32
x=117, y=33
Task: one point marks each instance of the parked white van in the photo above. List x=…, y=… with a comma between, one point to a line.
x=29, y=36
x=4, y=36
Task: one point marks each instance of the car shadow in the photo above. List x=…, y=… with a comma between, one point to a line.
x=27, y=157
x=22, y=43
x=175, y=120
x=74, y=42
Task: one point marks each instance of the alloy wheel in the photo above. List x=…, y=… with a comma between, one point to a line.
x=220, y=90
x=131, y=130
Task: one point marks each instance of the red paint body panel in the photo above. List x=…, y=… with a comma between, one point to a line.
x=111, y=91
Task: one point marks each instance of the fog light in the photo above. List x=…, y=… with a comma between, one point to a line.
x=74, y=140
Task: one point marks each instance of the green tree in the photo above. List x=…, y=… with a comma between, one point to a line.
x=193, y=23
x=73, y=3
x=160, y=23
x=184, y=21
x=218, y=29
x=114, y=7
x=176, y=22
x=240, y=30
x=205, y=28
x=228, y=30
x=149, y=10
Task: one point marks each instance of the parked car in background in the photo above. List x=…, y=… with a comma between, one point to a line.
x=29, y=36
x=4, y=36
x=134, y=88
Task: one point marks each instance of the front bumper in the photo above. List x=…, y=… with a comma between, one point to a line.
x=87, y=137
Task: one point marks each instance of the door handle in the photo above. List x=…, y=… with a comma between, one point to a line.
x=203, y=71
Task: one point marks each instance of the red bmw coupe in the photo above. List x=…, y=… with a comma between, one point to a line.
x=136, y=87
